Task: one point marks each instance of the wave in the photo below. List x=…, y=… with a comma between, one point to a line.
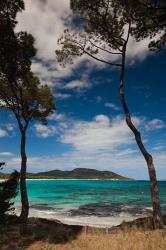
x=94, y=215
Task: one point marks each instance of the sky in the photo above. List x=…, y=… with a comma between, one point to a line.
x=88, y=129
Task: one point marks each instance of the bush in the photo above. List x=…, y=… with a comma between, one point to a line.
x=8, y=191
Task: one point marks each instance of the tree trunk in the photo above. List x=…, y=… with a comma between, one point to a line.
x=157, y=215
x=23, y=188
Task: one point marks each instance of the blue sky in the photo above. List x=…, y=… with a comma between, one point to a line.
x=88, y=129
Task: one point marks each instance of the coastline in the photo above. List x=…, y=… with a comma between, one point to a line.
x=85, y=221
x=70, y=179
x=79, y=179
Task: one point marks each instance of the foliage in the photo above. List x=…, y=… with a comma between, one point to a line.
x=78, y=173
x=20, y=90
x=105, y=25
x=150, y=21
x=9, y=10
x=27, y=101
x=8, y=191
x=103, y=32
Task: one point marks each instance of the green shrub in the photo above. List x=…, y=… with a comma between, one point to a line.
x=8, y=191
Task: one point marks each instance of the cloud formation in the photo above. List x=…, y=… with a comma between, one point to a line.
x=46, y=20
x=112, y=106
x=6, y=154
x=99, y=134
x=3, y=133
x=154, y=124
x=44, y=131
x=104, y=143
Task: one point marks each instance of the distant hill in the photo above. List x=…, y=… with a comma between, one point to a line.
x=77, y=173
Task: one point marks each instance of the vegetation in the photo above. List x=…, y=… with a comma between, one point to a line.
x=45, y=234
x=151, y=20
x=8, y=191
x=20, y=91
x=103, y=33
x=122, y=240
x=78, y=173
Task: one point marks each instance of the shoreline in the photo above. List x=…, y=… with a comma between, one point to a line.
x=93, y=221
x=65, y=179
x=74, y=179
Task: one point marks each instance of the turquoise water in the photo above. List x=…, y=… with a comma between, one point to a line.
x=84, y=199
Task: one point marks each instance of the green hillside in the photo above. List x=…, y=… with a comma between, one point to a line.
x=78, y=173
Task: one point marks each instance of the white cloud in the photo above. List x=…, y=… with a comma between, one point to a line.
x=3, y=133
x=62, y=96
x=154, y=124
x=118, y=161
x=112, y=106
x=99, y=134
x=57, y=117
x=44, y=131
x=160, y=146
x=77, y=84
x=102, y=143
x=6, y=154
x=45, y=20
x=10, y=126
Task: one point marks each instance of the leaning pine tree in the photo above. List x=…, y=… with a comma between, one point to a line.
x=103, y=33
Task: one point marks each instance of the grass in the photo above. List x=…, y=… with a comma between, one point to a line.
x=122, y=240
x=42, y=234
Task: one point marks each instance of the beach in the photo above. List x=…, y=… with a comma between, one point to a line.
x=95, y=203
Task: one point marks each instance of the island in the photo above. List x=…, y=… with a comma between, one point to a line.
x=77, y=173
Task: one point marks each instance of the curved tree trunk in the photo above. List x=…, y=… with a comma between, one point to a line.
x=157, y=215
x=23, y=188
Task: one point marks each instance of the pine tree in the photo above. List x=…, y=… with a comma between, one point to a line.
x=20, y=90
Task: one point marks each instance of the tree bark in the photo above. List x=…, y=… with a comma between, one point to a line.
x=157, y=215
x=23, y=188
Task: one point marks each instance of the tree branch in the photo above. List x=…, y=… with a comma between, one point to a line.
x=108, y=51
x=100, y=60
x=94, y=57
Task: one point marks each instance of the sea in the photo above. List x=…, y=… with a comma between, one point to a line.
x=97, y=203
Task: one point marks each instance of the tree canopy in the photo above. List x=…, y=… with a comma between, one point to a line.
x=102, y=28
x=9, y=10
x=20, y=91
x=102, y=32
x=150, y=21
